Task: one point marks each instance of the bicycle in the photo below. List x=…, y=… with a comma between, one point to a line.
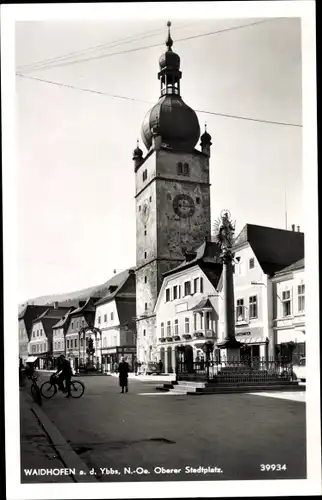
x=34, y=389
x=49, y=388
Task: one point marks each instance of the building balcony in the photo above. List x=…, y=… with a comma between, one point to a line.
x=207, y=334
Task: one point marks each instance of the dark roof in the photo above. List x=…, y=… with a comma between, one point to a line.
x=29, y=313
x=51, y=313
x=299, y=264
x=63, y=320
x=126, y=311
x=125, y=286
x=207, y=253
x=274, y=248
x=85, y=306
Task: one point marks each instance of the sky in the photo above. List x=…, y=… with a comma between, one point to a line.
x=75, y=177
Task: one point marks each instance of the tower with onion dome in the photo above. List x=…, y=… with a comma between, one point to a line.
x=172, y=193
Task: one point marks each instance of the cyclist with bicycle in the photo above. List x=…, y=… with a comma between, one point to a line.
x=63, y=373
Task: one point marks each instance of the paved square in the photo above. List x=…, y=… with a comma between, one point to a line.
x=236, y=433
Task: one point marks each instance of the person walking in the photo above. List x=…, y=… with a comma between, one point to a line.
x=160, y=366
x=123, y=370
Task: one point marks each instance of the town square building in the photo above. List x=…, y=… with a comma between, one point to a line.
x=41, y=338
x=115, y=318
x=25, y=319
x=59, y=333
x=289, y=333
x=187, y=309
x=260, y=252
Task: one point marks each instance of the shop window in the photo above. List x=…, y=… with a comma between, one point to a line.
x=286, y=300
x=186, y=325
x=301, y=298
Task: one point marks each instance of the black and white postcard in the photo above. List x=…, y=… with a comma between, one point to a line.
x=161, y=325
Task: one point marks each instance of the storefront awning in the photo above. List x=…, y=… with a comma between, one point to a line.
x=31, y=359
x=252, y=340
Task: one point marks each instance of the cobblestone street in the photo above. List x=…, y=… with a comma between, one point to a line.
x=236, y=433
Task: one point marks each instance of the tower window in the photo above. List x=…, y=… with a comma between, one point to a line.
x=198, y=200
x=186, y=170
x=144, y=230
x=145, y=175
x=143, y=333
x=150, y=199
x=139, y=208
x=179, y=168
x=145, y=279
x=145, y=255
x=145, y=306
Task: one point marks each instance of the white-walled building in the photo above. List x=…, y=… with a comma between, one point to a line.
x=25, y=319
x=59, y=332
x=289, y=333
x=115, y=318
x=41, y=338
x=187, y=308
x=260, y=252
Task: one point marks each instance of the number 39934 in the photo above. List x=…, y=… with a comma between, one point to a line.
x=273, y=467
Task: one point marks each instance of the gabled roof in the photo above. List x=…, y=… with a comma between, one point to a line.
x=52, y=313
x=204, y=303
x=85, y=306
x=299, y=264
x=125, y=286
x=208, y=253
x=64, y=319
x=274, y=248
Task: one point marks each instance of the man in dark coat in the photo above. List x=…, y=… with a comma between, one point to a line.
x=123, y=374
x=64, y=373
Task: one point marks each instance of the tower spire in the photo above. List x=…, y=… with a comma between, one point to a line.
x=169, y=41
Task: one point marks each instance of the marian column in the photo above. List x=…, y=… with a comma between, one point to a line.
x=225, y=238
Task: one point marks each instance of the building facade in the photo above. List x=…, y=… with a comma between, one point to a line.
x=187, y=309
x=59, y=332
x=41, y=338
x=172, y=194
x=25, y=319
x=115, y=317
x=260, y=253
x=289, y=334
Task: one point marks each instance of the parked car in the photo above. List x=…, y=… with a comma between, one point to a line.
x=299, y=371
x=152, y=368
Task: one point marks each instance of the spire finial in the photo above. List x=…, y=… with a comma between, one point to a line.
x=137, y=143
x=169, y=41
x=205, y=126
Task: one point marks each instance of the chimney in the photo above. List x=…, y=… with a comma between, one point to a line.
x=81, y=303
x=131, y=271
x=55, y=305
x=190, y=256
x=293, y=227
x=298, y=229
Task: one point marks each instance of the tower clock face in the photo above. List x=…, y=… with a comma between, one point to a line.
x=183, y=205
x=145, y=211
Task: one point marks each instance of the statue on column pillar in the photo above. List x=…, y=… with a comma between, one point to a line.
x=224, y=234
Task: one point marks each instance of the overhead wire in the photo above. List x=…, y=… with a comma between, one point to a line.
x=145, y=47
x=225, y=115
x=121, y=41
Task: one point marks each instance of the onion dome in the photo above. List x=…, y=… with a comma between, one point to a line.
x=176, y=122
x=205, y=139
x=173, y=120
x=137, y=153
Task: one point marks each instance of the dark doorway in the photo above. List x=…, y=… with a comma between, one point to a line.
x=188, y=358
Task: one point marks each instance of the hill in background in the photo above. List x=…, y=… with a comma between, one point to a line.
x=72, y=298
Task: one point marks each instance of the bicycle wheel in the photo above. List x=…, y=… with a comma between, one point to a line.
x=36, y=394
x=77, y=389
x=48, y=390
